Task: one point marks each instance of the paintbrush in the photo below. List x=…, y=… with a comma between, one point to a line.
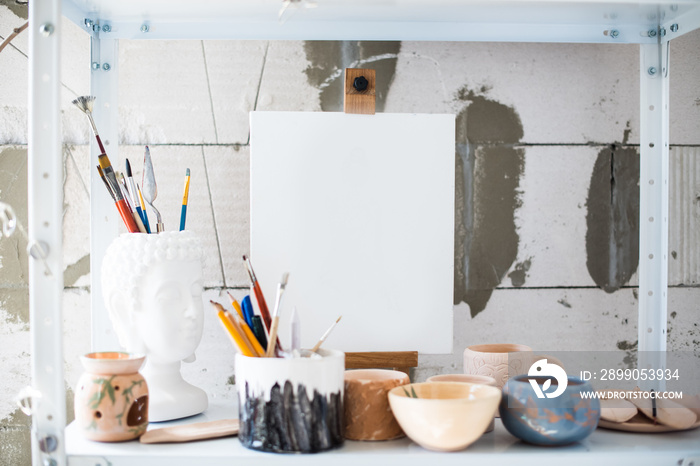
x=183, y=212
x=129, y=202
x=84, y=103
x=104, y=180
x=143, y=209
x=276, y=317
x=135, y=195
x=119, y=201
x=150, y=188
x=325, y=335
x=262, y=305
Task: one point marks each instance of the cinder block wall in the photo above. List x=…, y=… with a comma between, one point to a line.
x=546, y=238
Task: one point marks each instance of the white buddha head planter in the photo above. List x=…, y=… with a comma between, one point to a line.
x=152, y=287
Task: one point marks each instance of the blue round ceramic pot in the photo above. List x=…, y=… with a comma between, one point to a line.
x=541, y=411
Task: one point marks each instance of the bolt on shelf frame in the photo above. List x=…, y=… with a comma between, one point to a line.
x=653, y=33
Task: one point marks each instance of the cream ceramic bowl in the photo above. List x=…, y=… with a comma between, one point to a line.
x=468, y=378
x=445, y=416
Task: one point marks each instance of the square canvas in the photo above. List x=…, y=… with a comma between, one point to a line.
x=359, y=209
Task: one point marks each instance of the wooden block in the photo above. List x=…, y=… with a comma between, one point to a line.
x=398, y=360
x=359, y=101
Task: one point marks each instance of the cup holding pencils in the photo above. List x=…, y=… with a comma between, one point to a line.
x=306, y=391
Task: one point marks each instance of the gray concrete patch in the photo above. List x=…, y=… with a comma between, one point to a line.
x=612, y=237
x=74, y=271
x=488, y=176
x=13, y=191
x=19, y=9
x=15, y=302
x=518, y=276
x=15, y=440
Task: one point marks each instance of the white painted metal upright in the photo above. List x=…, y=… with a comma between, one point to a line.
x=104, y=227
x=45, y=177
x=653, y=206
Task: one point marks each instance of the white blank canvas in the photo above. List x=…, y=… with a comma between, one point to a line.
x=359, y=209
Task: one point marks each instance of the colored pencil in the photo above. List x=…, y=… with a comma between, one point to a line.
x=236, y=337
x=183, y=212
x=236, y=306
x=244, y=336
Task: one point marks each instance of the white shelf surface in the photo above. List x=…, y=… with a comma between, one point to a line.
x=445, y=20
x=603, y=447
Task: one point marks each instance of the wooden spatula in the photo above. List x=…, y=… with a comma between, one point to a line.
x=191, y=432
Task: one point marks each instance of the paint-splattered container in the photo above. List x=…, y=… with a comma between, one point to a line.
x=111, y=397
x=291, y=405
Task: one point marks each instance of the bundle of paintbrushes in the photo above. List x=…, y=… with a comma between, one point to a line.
x=257, y=335
x=127, y=195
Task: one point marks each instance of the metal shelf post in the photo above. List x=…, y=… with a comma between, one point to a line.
x=104, y=226
x=653, y=206
x=45, y=200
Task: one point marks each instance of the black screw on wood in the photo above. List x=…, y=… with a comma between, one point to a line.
x=360, y=84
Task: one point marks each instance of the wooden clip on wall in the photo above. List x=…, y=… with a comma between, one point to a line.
x=360, y=85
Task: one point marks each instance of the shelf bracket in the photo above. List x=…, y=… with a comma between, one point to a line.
x=653, y=207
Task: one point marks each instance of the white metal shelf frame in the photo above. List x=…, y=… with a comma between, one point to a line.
x=650, y=23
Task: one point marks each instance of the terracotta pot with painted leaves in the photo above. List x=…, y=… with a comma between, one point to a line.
x=111, y=398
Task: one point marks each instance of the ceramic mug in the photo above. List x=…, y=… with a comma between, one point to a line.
x=467, y=378
x=497, y=360
x=368, y=415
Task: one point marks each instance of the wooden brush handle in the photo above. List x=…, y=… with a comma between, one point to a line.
x=273, y=338
x=126, y=216
x=264, y=312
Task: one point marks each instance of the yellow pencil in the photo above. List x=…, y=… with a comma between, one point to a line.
x=236, y=306
x=238, y=339
x=250, y=335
